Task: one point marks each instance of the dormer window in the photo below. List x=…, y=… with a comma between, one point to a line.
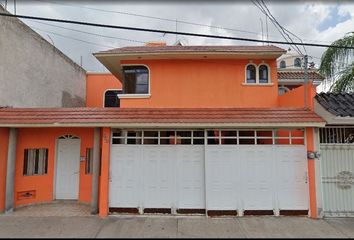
x=297, y=62
x=136, y=80
x=263, y=74
x=251, y=73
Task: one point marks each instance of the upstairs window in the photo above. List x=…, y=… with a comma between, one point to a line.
x=297, y=62
x=282, y=64
x=251, y=73
x=263, y=74
x=136, y=80
x=111, y=98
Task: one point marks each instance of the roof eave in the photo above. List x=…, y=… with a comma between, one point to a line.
x=167, y=125
x=112, y=61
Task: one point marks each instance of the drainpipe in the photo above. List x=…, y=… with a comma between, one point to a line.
x=95, y=170
x=10, y=171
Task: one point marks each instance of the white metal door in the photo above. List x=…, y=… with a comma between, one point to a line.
x=291, y=177
x=337, y=165
x=144, y=176
x=67, y=169
x=256, y=177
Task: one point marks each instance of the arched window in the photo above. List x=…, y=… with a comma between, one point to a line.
x=263, y=74
x=282, y=64
x=297, y=62
x=251, y=74
x=111, y=98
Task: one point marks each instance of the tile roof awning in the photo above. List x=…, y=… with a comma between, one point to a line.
x=339, y=104
x=159, y=117
x=298, y=75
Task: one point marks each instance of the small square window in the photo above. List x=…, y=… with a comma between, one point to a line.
x=35, y=161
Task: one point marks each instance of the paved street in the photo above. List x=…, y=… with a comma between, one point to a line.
x=169, y=226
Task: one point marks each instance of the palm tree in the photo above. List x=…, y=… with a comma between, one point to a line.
x=337, y=65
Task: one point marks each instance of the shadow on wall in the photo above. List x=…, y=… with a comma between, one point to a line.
x=68, y=101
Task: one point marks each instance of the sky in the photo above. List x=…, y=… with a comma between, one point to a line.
x=319, y=22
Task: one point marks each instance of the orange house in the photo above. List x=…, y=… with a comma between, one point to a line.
x=172, y=129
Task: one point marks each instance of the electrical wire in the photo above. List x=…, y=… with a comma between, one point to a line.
x=163, y=19
x=94, y=34
x=168, y=32
x=80, y=40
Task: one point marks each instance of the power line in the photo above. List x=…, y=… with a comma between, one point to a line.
x=164, y=19
x=168, y=32
x=285, y=30
x=94, y=34
x=280, y=28
x=80, y=40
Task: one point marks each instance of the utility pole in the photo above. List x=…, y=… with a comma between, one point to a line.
x=305, y=81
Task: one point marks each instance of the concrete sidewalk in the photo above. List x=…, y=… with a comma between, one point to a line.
x=175, y=227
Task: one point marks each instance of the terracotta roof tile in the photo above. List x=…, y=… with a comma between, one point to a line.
x=299, y=75
x=101, y=116
x=167, y=49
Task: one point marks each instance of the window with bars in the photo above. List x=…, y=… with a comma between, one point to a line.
x=89, y=161
x=210, y=137
x=35, y=162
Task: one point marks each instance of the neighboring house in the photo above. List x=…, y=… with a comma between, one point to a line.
x=34, y=73
x=199, y=129
x=336, y=142
x=291, y=72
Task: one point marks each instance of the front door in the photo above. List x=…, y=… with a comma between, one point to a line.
x=68, y=169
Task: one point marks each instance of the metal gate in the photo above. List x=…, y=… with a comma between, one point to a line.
x=337, y=166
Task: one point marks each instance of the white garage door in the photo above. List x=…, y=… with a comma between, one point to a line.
x=213, y=170
x=145, y=176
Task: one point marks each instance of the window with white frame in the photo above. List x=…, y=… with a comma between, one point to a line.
x=135, y=80
x=257, y=74
x=35, y=162
x=209, y=137
x=111, y=98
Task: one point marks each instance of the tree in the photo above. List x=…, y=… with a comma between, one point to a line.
x=337, y=65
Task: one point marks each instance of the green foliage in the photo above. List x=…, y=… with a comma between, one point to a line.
x=337, y=65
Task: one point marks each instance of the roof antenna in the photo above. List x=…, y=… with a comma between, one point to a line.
x=267, y=29
x=262, y=29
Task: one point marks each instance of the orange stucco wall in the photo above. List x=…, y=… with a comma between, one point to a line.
x=4, y=139
x=203, y=83
x=104, y=178
x=296, y=98
x=96, y=86
x=311, y=173
x=43, y=184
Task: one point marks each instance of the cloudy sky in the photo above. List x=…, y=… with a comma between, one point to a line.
x=313, y=21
